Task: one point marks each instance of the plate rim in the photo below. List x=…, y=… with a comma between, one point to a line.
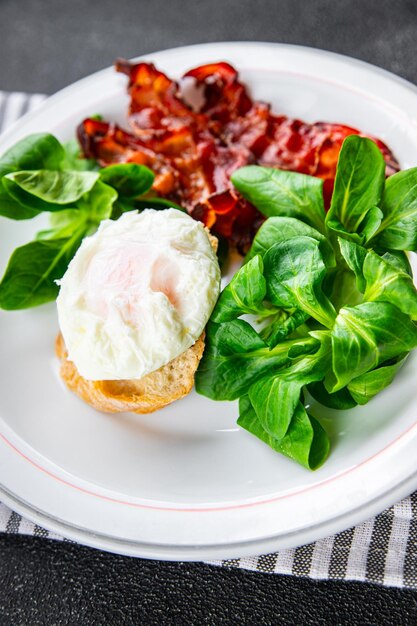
x=220, y=551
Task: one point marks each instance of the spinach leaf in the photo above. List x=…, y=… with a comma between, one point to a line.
x=365, y=387
x=98, y=204
x=87, y=215
x=398, y=230
x=62, y=224
x=74, y=159
x=129, y=179
x=294, y=271
x=39, y=150
x=385, y=283
x=278, y=229
x=58, y=188
x=244, y=294
x=27, y=201
x=365, y=336
x=278, y=192
x=358, y=188
x=275, y=401
x=30, y=276
x=306, y=442
x=13, y=209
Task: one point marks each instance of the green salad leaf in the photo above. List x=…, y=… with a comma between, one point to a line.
x=354, y=255
x=340, y=400
x=365, y=336
x=51, y=186
x=27, y=202
x=36, y=151
x=399, y=205
x=278, y=192
x=29, y=283
x=97, y=205
x=282, y=325
x=386, y=283
x=38, y=175
x=30, y=276
x=236, y=356
x=275, y=401
x=306, y=442
x=74, y=159
x=399, y=259
x=365, y=387
x=294, y=271
x=129, y=179
x=358, y=188
x=329, y=301
x=280, y=229
x=244, y=294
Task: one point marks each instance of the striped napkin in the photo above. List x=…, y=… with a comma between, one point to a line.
x=381, y=550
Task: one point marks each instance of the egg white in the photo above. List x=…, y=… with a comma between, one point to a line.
x=138, y=293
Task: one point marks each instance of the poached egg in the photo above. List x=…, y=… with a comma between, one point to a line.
x=137, y=294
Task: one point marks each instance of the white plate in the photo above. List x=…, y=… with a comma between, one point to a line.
x=186, y=483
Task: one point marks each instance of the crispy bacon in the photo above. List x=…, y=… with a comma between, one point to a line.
x=194, y=152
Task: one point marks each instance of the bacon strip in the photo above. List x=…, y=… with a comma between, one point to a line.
x=193, y=153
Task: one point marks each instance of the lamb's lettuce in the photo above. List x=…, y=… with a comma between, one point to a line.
x=399, y=205
x=244, y=294
x=280, y=229
x=235, y=357
x=275, y=401
x=294, y=272
x=333, y=298
x=358, y=187
x=386, y=283
x=306, y=442
x=278, y=192
x=365, y=336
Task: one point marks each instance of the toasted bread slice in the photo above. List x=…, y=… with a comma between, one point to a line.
x=145, y=395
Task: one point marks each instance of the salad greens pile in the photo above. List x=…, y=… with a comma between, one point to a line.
x=38, y=175
x=330, y=297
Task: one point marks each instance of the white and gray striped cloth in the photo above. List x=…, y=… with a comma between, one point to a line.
x=382, y=550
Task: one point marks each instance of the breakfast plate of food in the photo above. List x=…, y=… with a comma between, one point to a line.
x=207, y=307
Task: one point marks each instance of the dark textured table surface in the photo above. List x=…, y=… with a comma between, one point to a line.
x=47, y=44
